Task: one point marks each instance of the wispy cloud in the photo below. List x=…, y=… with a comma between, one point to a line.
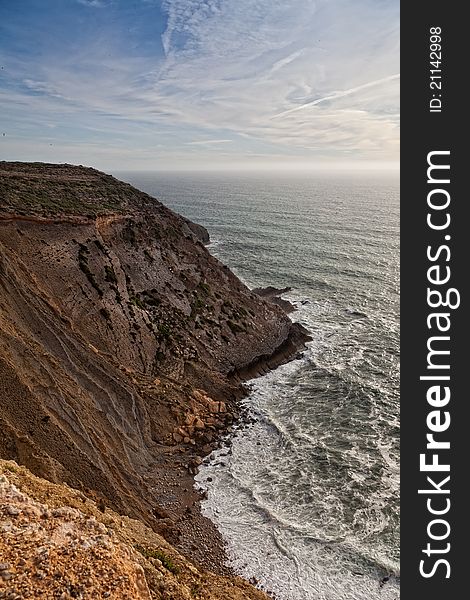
x=218, y=73
x=94, y=3
x=207, y=142
x=336, y=95
x=208, y=73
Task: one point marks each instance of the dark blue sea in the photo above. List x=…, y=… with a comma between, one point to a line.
x=308, y=497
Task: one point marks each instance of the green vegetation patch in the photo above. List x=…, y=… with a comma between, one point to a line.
x=49, y=196
x=166, y=560
x=164, y=330
x=100, y=246
x=109, y=274
x=235, y=328
x=205, y=288
x=136, y=301
x=83, y=264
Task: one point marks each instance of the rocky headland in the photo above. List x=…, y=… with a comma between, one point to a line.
x=123, y=349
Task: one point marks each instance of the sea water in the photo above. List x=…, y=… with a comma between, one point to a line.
x=307, y=497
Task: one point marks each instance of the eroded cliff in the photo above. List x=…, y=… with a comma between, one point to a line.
x=123, y=343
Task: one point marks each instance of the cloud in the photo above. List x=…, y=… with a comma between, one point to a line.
x=238, y=67
x=336, y=95
x=94, y=3
x=207, y=142
x=208, y=72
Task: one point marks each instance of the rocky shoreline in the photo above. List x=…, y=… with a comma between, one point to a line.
x=200, y=537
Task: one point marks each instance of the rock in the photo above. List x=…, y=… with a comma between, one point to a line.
x=6, y=575
x=177, y=438
x=160, y=513
x=58, y=560
x=213, y=406
x=189, y=419
x=199, y=231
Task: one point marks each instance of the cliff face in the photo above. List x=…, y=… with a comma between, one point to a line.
x=121, y=339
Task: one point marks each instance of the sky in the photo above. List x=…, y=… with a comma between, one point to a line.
x=200, y=84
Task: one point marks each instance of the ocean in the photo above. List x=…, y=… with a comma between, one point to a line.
x=307, y=496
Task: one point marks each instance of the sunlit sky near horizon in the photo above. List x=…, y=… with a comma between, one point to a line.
x=200, y=84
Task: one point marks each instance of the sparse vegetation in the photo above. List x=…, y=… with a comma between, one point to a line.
x=62, y=190
x=234, y=327
x=129, y=235
x=105, y=313
x=117, y=295
x=197, y=305
x=171, y=232
x=110, y=275
x=164, y=330
x=196, y=590
x=149, y=299
x=205, y=288
x=83, y=264
x=100, y=246
x=11, y=468
x=158, y=555
x=136, y=301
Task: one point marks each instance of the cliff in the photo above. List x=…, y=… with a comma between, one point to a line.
x=123, y=344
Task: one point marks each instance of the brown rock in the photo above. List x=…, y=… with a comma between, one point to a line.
x=189, y=420
x=198, y=424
